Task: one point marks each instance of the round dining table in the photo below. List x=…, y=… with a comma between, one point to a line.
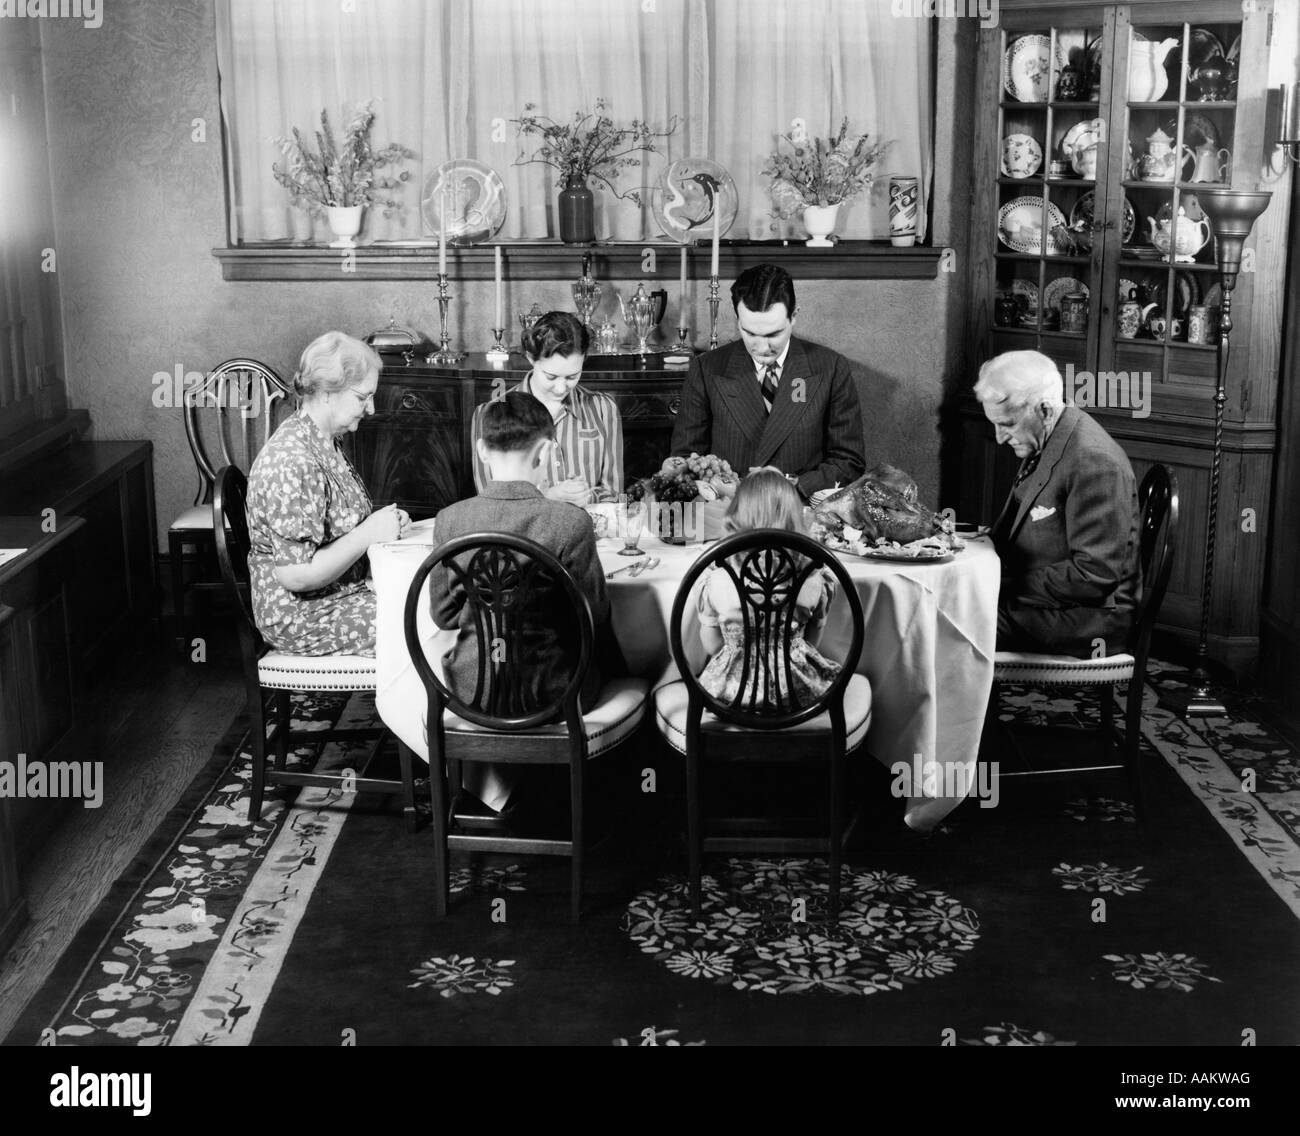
x=927, y=650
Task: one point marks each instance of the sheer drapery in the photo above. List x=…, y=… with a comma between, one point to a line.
x=447, y=78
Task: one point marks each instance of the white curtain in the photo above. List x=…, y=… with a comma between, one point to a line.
x=448, y=76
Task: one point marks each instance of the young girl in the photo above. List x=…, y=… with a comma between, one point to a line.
x=764, y=500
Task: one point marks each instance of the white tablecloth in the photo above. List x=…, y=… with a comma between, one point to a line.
x=927, y=650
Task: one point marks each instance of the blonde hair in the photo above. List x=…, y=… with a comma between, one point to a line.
x=765, y=500
x=333, y=362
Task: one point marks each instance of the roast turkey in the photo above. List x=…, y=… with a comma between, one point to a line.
x=882, y=503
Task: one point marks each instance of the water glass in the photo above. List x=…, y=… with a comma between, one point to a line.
x=631, y=523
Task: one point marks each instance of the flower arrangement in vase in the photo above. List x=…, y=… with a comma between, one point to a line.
x=814, y=177
x=589, y=146
x=341, y=178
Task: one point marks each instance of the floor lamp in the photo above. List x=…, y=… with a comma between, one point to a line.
x=1232, y=214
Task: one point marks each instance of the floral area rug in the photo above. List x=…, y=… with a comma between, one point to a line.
x=1051, y=920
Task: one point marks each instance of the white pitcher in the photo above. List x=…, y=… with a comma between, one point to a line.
x=1147, y=81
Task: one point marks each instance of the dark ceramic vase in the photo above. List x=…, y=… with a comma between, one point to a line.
x=577, y=210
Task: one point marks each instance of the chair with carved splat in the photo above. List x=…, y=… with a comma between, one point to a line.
x=232, y=409
x=766, y=721
x=512, y=587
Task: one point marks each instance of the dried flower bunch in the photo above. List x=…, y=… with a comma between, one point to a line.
x=343, y=174
x=823, y=171
x=589, y=145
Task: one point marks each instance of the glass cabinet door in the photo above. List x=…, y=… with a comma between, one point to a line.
x=1175, y=90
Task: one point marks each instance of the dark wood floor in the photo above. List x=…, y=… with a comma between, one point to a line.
x=155, y=718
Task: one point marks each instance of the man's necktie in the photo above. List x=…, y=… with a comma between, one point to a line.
x=769, y=386
x=1028, y=466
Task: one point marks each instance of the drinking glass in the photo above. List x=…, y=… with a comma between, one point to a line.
x=632, y=518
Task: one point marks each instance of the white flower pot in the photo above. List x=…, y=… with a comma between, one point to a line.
x=819, y=221
x=345, y=224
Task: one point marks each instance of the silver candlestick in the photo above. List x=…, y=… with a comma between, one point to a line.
x=714, y=300
x=445, y=356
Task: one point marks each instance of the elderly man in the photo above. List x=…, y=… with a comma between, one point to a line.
x=772, y=399
x=1068, y=534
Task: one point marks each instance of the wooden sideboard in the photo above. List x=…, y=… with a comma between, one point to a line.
x=84, y=511
x=415, y=450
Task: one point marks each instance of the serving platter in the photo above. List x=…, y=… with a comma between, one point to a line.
x=1022, y=217
x=473, y=197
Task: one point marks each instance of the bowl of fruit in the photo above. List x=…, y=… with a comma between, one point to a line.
x=690, y=496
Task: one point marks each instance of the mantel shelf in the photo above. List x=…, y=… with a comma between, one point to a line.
x=537, y=260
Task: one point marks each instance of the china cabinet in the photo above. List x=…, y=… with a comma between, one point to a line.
x=1098, y=125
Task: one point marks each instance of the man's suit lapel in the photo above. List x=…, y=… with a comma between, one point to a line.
x=1052, y=454
x=786, y=412
x=744, y=400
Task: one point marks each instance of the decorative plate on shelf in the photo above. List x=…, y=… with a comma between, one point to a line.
x=474, y=197
x=1029, y=290
x=1081, y=215
x=1062, y=286
x=690, y=190
x=1020, y=226
x=1022, y=156
x=1027, y=68
x=1082, y=135
x=1204, y=44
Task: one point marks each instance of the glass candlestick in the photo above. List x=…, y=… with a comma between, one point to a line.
x=714, y=300
x=498, y=353
x=445, y=356
x=586, y=294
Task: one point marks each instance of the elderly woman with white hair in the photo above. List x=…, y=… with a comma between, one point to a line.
x=1068, y=534
x=310, y=519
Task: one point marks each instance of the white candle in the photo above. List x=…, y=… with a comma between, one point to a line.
x=500, y=316
x=681, y=321
x=442, y=234
x=713, y=264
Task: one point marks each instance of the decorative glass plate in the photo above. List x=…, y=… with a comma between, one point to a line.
x=1081, y=215
x=1022, y=217
x=1027, y=68
x=688, y=193
x=474, y=197
x=1022, y=156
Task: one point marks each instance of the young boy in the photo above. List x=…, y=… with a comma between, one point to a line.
x=516, y=433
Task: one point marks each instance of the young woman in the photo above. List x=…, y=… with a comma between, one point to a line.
x=585, y=465
x=310, y=519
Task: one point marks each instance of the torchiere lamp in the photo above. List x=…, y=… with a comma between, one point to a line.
x=1232, y=214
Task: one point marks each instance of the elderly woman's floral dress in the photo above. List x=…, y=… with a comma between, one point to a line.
x=303, y=494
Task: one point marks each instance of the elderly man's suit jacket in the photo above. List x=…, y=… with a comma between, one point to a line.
x=1068, y=539
x=813, y=432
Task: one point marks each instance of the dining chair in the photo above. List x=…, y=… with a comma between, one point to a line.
x=233, y=410
x=1158, y=501
x=766, y=720
x=511, y=587
x=281, y=674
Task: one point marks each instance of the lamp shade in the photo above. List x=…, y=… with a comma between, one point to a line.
x=1232, y=214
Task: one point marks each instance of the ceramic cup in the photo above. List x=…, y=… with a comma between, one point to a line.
x=1198, y=325
x=903, y=194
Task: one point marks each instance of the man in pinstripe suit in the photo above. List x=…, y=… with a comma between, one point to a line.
x=772, y=399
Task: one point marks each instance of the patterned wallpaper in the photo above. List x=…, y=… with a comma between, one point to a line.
x=139, y=207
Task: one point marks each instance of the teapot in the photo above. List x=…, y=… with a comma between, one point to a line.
x=1160, y=162
x=1147, y=80
x=1188, y=237
x=1211, y=164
